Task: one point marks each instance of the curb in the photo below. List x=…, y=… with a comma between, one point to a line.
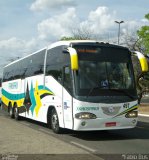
x=143, y=115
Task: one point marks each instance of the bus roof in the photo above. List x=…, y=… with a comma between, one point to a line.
x=60, y=43
x=68, y=43
x=24, y=57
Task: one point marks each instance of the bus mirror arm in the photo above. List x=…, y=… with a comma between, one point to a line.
x=143, y=61
x=73, y=58
x=65, y=50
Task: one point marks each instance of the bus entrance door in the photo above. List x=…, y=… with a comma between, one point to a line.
x=67, y=98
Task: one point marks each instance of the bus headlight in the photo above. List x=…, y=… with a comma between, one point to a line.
x=85, y=115
x=132, y=114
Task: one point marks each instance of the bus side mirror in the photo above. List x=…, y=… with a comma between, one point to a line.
x=143, y=61
x=74, y=58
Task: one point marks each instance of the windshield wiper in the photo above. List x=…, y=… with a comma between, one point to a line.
x=116, y=90
x=122, y=91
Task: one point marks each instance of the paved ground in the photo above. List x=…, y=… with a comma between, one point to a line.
x=144, y=108
x=19, y=141
x=25, y=140
x=22, y=139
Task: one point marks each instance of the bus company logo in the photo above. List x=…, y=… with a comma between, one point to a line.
x=111, y=109
x=87, y=108
x=13, y=85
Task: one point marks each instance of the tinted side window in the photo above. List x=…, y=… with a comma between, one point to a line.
x=17, y=67
x=38, y=63
x=10, y=71
x=5, y=74
x=67, y=81
x=23, y=68
x=56, y=59
x=34, y=64
x=28, y=67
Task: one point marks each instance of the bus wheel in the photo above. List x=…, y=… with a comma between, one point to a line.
x=16, y=113
x=11, y=112
x=54, y=122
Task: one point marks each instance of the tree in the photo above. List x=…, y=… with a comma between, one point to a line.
x=131, y=40
x=143, y=34
x=82, y=33
x=79, y=33
x=67, y=38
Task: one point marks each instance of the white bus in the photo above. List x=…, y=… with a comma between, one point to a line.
x=78, y=85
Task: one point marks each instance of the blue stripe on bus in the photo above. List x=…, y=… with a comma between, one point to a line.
x=44, y=87
x=12, y=96
x=33, y=100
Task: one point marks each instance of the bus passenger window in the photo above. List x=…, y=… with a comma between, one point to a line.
x=67, y=78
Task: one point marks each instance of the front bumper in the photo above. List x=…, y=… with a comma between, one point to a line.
x=104, y=124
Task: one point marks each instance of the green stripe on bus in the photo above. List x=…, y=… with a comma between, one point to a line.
x=12, y=96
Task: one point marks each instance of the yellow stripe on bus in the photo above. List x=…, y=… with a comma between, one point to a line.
x=6, y=101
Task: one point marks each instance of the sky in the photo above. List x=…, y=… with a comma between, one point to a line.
x=29, y=25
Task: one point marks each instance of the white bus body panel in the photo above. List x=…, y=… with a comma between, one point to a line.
x=67, y=107
x=103, y=118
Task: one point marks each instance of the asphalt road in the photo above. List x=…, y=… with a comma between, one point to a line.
x=27, y=136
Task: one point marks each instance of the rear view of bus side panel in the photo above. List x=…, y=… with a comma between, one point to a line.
x=12, y=94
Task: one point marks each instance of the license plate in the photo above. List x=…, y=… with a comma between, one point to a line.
x=110, y=124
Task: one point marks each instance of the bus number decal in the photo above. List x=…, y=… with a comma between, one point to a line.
x=126, y=105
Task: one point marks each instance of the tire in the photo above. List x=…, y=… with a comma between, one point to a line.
x=55, y=122
x=11, y=112
x=16, y=113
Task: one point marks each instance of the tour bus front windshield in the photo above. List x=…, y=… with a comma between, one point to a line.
x=103, y=69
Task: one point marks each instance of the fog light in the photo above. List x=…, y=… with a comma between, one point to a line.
x=83, y=123
x=85, y=115
x=134, y=121
x=132, y=114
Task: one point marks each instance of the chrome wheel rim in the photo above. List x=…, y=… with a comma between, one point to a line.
x=11, y=112
x=54, y=121
x=16, y=112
